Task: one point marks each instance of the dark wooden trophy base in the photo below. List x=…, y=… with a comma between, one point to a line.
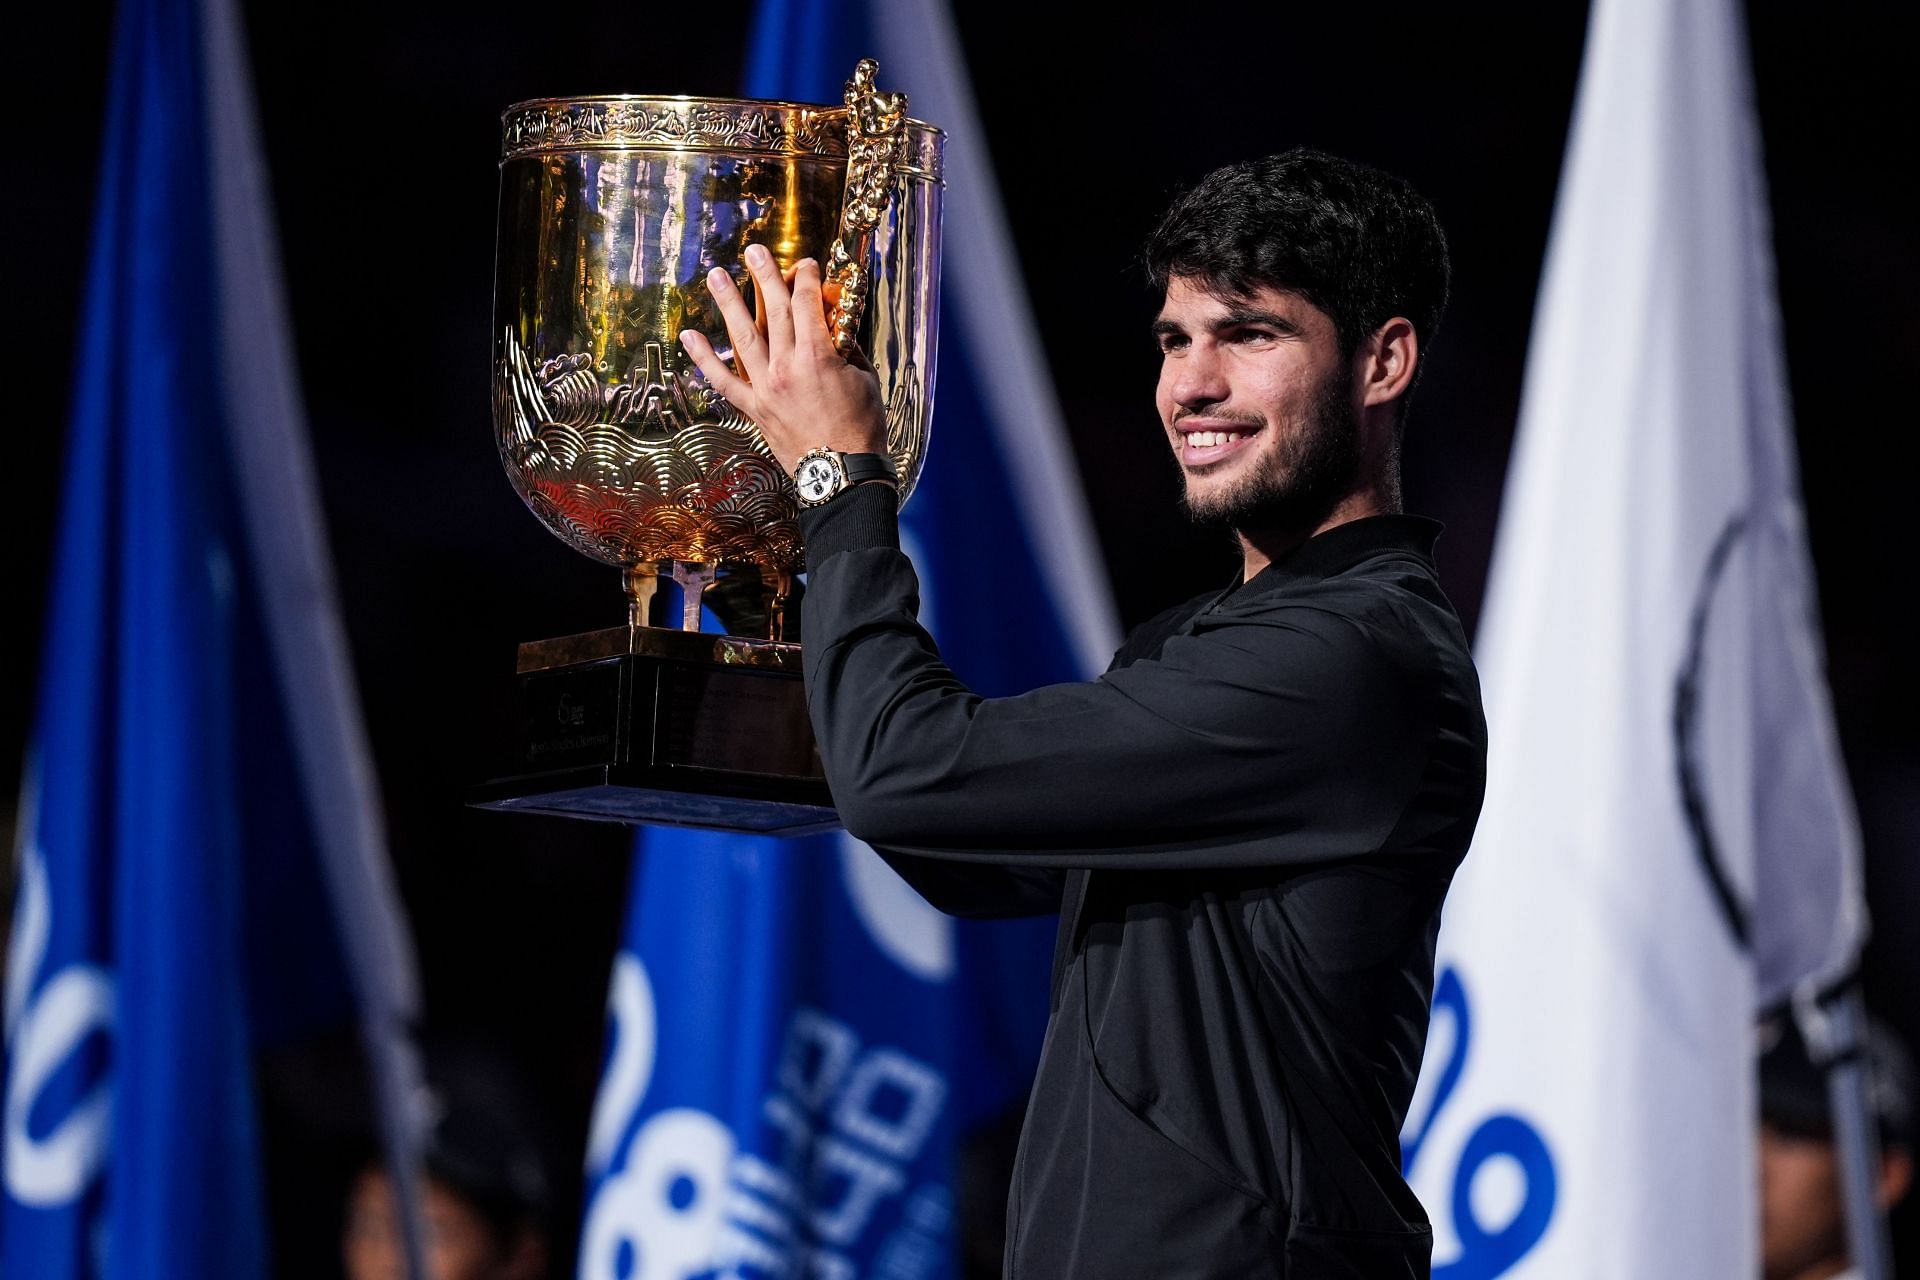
x=657, y=726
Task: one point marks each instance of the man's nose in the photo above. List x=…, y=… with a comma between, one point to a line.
x=1197, y=378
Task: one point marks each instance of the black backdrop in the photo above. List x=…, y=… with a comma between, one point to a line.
x=380, y=125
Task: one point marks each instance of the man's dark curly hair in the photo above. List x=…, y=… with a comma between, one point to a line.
x=1361, y=245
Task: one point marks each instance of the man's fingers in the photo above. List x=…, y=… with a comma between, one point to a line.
x=722, y=379
x=809, y=310
x=749, y=348
x=776, y=309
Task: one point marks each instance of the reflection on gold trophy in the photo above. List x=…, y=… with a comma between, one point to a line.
x=612, y=211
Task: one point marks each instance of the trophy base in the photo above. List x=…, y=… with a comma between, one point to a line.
x=672, y=728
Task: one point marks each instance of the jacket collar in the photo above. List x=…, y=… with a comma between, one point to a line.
x=1340, y=548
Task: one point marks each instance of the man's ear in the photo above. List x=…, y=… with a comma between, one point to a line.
x=1387, y=362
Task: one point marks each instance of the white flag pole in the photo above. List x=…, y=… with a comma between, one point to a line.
x=1833, y=1025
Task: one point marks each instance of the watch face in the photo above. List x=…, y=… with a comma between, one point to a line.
x=816, y=479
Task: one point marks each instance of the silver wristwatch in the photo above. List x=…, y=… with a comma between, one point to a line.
x=824, y=474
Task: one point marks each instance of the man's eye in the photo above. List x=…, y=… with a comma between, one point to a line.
x=1171, y=343
x=1253, y=335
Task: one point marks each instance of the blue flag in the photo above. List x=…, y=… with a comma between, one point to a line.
x=798, y=1041
x=197, y=789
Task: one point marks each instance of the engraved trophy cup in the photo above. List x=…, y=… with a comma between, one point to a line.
x=612, y=211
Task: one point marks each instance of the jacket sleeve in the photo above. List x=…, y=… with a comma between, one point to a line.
x=867, y=517
x=1282, y=736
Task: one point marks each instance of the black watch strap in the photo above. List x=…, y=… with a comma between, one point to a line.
x=862, y=467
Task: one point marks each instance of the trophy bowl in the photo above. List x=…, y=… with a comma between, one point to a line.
x=613, y=210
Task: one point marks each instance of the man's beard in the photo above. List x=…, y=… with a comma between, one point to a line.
x=1299, y=486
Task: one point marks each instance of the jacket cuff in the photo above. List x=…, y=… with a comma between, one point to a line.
x=867, y=515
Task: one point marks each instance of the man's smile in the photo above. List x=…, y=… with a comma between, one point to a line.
x=1208, y=440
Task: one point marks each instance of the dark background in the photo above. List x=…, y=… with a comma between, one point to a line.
x=381, y=130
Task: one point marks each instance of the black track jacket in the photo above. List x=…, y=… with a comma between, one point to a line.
x=1248, y=825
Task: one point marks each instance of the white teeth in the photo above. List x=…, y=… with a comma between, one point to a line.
x=1208, y=439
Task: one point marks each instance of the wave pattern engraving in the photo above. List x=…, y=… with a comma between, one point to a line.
x=656, y=467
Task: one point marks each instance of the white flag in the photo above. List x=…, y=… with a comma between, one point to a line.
x=1667, y=841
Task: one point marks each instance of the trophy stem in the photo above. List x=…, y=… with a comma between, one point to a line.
x=694, y=579
x=777, y=589
x=641, y=581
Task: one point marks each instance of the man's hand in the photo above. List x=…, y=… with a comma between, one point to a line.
x=797, y=389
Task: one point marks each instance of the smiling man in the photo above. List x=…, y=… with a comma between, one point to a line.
x=1250, y=822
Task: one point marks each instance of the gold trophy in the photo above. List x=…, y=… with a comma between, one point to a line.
x=612, y=211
